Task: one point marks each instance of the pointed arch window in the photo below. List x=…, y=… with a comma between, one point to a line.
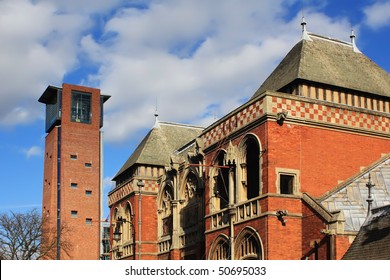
x=189, y=216
x=252, y=160
x=166, y=211
x=220, y=249
x=248, y=246
x=221, y=184
x=128, y=225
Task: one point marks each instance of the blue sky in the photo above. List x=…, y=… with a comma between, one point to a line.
x=196, y=59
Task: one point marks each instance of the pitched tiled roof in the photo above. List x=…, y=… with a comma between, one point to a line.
x=161, y=141
x=327, y=61
x=373, y=240
x=351, y=195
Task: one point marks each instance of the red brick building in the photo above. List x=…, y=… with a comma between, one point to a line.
x=72, y=196
x=150, y=196
x=280, y=177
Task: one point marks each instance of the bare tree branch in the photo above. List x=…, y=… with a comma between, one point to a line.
x=22, y=238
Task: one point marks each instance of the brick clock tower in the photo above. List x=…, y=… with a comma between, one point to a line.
x=72, y=187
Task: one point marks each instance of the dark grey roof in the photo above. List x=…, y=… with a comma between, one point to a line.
x=350, y=196
x=331, y=62
x=161, y=141
x=373, y=240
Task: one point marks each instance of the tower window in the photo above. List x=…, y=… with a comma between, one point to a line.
x=88, y=193
x=74, y=185
x=286, y=184
x=88, y=164
x=73, y=213
x=81, y=107
x=88, y=221
x=73, y=157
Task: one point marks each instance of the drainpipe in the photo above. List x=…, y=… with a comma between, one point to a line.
x=232, y=210
x=140, y=184
x=58, y=192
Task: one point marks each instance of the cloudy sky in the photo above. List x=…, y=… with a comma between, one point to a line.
x=193, y=60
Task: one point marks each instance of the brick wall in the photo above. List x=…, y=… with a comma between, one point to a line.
x=82, y=141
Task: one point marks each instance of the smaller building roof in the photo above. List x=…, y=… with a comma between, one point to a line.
x=373, y=239
x=350, y=196
x=158, y=145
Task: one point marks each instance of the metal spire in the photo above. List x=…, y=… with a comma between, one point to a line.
x=369, y=200
x=156, y=122
x=305, y=35
x=353, y=42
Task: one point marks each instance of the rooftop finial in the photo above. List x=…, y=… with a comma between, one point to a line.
x=369, y=200
x=156, y=124
x=353, y=42
x=305, y=35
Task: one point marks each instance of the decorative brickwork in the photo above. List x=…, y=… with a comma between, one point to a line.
x=326, y=113
x=299, y=109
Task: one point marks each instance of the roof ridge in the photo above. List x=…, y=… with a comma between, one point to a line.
x=180, y=124
x=329, y=39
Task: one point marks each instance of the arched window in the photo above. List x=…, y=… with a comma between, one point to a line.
x=127, y=226
x=248, y=245
x=191, y=204
x=252, y=159
x=221, y=182
x=166, y=211
x=220, y=249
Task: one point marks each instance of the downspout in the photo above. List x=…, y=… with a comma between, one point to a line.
x=58, y=192
x=140, y=184
x=231, y=210
x=101, y=225
x=139, y=224
x=332, y=246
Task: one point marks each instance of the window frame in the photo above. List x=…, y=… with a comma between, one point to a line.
x=76, y=112
x=295, y=174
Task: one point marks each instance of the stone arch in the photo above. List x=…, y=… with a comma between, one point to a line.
x=191, y=185
x=190, y=196
x=220, y=249
x=190, y=214
x=249, y=168
x=165, y=215
x=128, y=224
x=248, y=245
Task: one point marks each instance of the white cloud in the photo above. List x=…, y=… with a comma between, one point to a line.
x=197, y=58
x=378, y=15
x=38, y=46
x=33, y=151
x=108, y=184
x=189, y=55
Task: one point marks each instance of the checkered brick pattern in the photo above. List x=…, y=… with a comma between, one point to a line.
x=242, y=118
x=331, y=115
x=128, y=188
x=299, y=109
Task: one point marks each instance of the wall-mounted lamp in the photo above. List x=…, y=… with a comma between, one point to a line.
x=140, y=183
x=117, y=232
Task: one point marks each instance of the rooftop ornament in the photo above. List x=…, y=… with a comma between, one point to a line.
x=369, y=200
